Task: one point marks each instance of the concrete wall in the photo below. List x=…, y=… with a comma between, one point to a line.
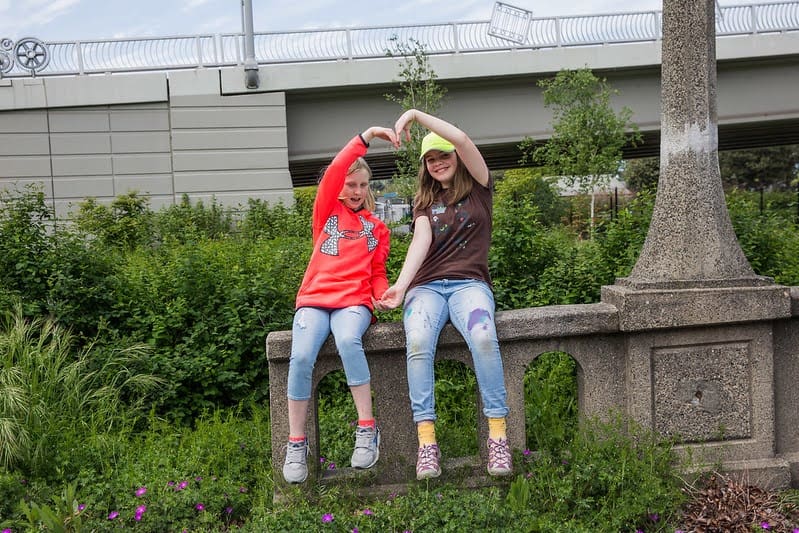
x=176, y=135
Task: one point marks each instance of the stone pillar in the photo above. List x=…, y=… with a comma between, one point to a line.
x=699, y=351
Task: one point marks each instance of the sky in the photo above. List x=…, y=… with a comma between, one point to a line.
x=71, y=20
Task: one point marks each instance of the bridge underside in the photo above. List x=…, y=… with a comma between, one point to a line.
x=736, y=136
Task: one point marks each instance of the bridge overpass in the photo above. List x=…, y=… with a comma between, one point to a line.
x=167, y=125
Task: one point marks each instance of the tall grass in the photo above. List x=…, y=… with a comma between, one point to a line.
x=50, y=393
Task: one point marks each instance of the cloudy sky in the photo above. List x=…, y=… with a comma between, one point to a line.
x=55, y=20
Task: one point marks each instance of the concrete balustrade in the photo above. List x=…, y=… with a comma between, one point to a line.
x=726, y=389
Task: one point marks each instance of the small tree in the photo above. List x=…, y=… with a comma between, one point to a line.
x=588, y=135
x=418, y=89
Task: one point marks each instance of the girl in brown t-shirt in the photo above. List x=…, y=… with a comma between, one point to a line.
x=445, y=278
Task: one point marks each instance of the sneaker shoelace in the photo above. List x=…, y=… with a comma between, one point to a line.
x=296, y=453
x=498, y=452
x=428, y=457
x=364, y=437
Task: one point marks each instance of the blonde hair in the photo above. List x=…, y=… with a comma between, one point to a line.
x=360, y=164
x=427, y=188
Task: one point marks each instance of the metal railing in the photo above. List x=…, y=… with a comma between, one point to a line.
x=179, y=52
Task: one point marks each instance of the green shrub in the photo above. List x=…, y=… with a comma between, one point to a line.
x=550, y=401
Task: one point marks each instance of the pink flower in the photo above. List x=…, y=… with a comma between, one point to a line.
x=140, y=510
x=368, y=512
x=182, y=485
x=81, y=507
x=327, y=518
x=200, y=507
x=765, y=525
x=113, y=514
x=141, y=491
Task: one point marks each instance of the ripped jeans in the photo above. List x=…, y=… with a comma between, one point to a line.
x=310, y=330
x=469, y=305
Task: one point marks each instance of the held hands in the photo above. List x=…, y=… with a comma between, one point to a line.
x=391, y=299
x=387, y=134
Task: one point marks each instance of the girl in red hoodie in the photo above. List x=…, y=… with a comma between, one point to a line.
x=346, y=272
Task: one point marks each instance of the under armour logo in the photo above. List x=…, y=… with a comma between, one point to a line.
x=330, y=245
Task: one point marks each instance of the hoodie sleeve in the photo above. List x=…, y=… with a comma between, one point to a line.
x=333, y=180
x=379, y=278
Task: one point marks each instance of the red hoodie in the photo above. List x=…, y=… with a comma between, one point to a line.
x=350, y=248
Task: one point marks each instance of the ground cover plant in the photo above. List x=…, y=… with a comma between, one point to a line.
x=182, y=299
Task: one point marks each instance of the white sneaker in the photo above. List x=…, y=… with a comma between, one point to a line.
x=367, y=447
x=295, y=469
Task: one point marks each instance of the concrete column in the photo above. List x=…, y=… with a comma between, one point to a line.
x=691, y=242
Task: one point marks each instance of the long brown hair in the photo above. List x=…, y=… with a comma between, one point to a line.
x=428, y=189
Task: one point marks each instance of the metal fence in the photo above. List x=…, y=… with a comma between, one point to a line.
x=178, y=52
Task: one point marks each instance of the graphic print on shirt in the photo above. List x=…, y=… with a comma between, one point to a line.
x=330, y=245
x=458, y=219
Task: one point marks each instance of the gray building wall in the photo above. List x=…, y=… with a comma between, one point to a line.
x=175, y=134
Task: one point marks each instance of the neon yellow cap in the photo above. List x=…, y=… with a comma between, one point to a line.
x=434, y=141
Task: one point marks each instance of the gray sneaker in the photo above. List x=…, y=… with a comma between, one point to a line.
x=295, y=469
x=367, y=447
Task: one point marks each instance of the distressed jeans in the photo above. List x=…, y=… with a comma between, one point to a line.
x=469, y=305
x=310, y=330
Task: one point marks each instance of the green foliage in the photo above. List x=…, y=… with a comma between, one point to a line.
x=456, y=408
x=612, y=476
x=191, y=222
x=575, y=277
x=527, y=187
x=418, y=89
x=588, y=135
x=126, y=223
x=641, y=174
x=265, y=221
x=772, y=167
x=52, y=395
x=206, y=308
x=63, y=517
x=621, y=240
x=769, y=239
x=550, y=401
x=25, y=249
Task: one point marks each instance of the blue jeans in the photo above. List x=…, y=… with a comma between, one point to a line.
x=312, y=325
x=469, y=305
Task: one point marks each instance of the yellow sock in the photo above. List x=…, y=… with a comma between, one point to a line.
x=496, y=428
x=426, y=430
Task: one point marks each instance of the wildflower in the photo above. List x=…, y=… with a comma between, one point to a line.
x=654, y=517
x=242, y=489
x=7, y=531
x=639, y=531
x=765, y=525
x=141, y=491
x=327, y=518
x=331, y=466
x=113, y=514
x=200, y=507
x=229, y=510
x=139, y=512
x=170, y=483
x=355, y=530
x=527, y=452
x=182, y=485
x=198, y=479
x=368, y=512
x=322, y=460
x=81, y=507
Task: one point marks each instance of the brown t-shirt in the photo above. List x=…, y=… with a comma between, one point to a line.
x=461, y=237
